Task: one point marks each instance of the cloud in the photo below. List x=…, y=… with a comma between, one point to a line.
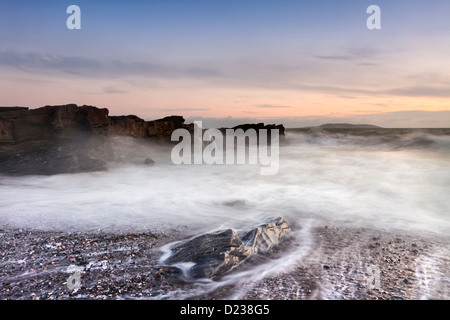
x=113, y=90
x=421, y=91
x=38, y=62
x=335, y=57
x=269, y=106
x=47, y=61
x=184, y=109
x=367, y=64
x=351, y=54
x=149, y=69
x=306, y=76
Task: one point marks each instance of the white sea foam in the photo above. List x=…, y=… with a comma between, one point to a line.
x=320, y=177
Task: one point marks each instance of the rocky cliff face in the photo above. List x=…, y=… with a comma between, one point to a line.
x=71, y=138
x=137, y=127
x=21, y=124
x=68, y=138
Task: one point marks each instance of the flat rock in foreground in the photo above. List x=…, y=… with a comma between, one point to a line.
x=214, y=254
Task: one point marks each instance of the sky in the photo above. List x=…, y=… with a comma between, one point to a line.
x=294, y=62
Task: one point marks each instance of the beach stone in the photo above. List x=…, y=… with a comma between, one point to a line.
x=265, y=236
x=216, y=253
x=212, y=253
x=149, y=161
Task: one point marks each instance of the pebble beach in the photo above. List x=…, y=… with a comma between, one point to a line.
x=39, y=265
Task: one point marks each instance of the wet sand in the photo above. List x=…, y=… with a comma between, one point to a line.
x=342, y=263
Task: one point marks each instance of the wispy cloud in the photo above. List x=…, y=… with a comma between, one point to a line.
x=269, y=106
x=183, y=109
x=421, y=91
x=47, y=61
x=334, y=57
x=367, y=64
x=38, y=62
x=351, y=54
x=307, y=76
x=113, y=90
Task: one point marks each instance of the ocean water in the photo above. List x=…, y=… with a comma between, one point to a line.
x=379, y=178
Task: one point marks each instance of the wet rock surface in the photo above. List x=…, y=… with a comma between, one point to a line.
x=213, y=254
x=34, y=265
x=265, y=236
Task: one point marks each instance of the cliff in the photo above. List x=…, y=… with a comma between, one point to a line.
x=69, y=138
x=136, y=127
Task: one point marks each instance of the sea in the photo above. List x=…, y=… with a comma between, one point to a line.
x=382, y=178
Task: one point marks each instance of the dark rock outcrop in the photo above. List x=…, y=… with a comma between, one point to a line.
x=129, y=125
x=165, y=126
x=139, y=128
x=51, y=122
x=51, y=139
x=6, y=109
x=68, y=138
x=214, y=254
x=71, y=138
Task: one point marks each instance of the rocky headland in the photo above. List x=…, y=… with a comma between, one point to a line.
x=70, y=138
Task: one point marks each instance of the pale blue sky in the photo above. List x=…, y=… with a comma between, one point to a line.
x=233, y=58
